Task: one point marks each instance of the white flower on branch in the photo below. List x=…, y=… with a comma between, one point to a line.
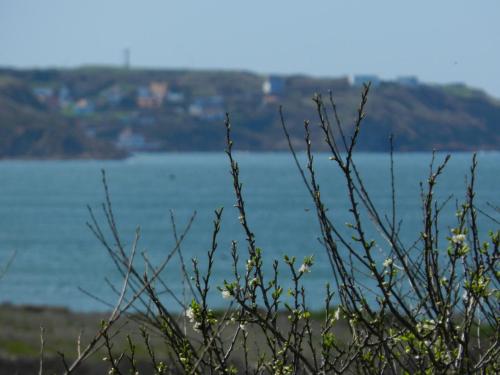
x=387, y=262
x=190, y=314
x=197, y=327
x=249, y=265
x=336, y=314
x=226, y=294
x=465, y=296
x=458, y=238
x=304, y=268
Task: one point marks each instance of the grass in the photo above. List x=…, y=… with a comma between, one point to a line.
x=16, y=348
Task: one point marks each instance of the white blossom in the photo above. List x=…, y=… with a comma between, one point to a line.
x=336, y=314
x=387, y=262
x=197, y=327
x=249, y=264
x=190, y=314
x=304, y=268
x=465, y=296
x=458, y=238
x=226, y=294
x=427, y=325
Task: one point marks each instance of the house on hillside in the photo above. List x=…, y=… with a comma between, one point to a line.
x=359, y=80
x=152, y=96
x=407, y=81
x=83, y=107
x=175, y=97
x=130, y=141
x=43, y=93
x=176, y=101
x=273, y=86
x=112, y=95
x=207, y=108
x=158, y=91
x=64, y=97
x=46, y=95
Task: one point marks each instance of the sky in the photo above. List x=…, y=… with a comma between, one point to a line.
x=444, y=41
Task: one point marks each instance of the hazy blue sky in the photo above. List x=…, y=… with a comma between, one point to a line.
x=439, y=40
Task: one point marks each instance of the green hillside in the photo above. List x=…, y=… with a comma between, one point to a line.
x=109, y=112
x=29, y=130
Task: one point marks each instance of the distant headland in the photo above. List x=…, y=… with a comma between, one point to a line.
x=102, y=112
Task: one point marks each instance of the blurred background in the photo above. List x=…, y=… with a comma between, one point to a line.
x=141, y=89
x=440, y=42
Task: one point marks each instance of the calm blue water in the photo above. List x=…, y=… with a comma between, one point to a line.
x=43, y=214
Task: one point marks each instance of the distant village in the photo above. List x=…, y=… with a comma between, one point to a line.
x=138, y=104
x=145, y=110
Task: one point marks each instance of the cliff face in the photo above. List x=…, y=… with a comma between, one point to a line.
x=427, y=117
x=105, y=113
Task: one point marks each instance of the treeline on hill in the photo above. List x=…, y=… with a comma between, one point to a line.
x=110, y=112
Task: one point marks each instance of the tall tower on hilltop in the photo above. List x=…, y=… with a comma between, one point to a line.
x=126, y=58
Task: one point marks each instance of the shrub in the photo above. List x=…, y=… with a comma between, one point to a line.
x=433, y=305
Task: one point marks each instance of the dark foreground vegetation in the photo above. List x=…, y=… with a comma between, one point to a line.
x=429, y=307
x=20, y=339
x=110, y=112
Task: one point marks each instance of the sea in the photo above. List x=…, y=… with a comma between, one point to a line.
x=49, y=256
